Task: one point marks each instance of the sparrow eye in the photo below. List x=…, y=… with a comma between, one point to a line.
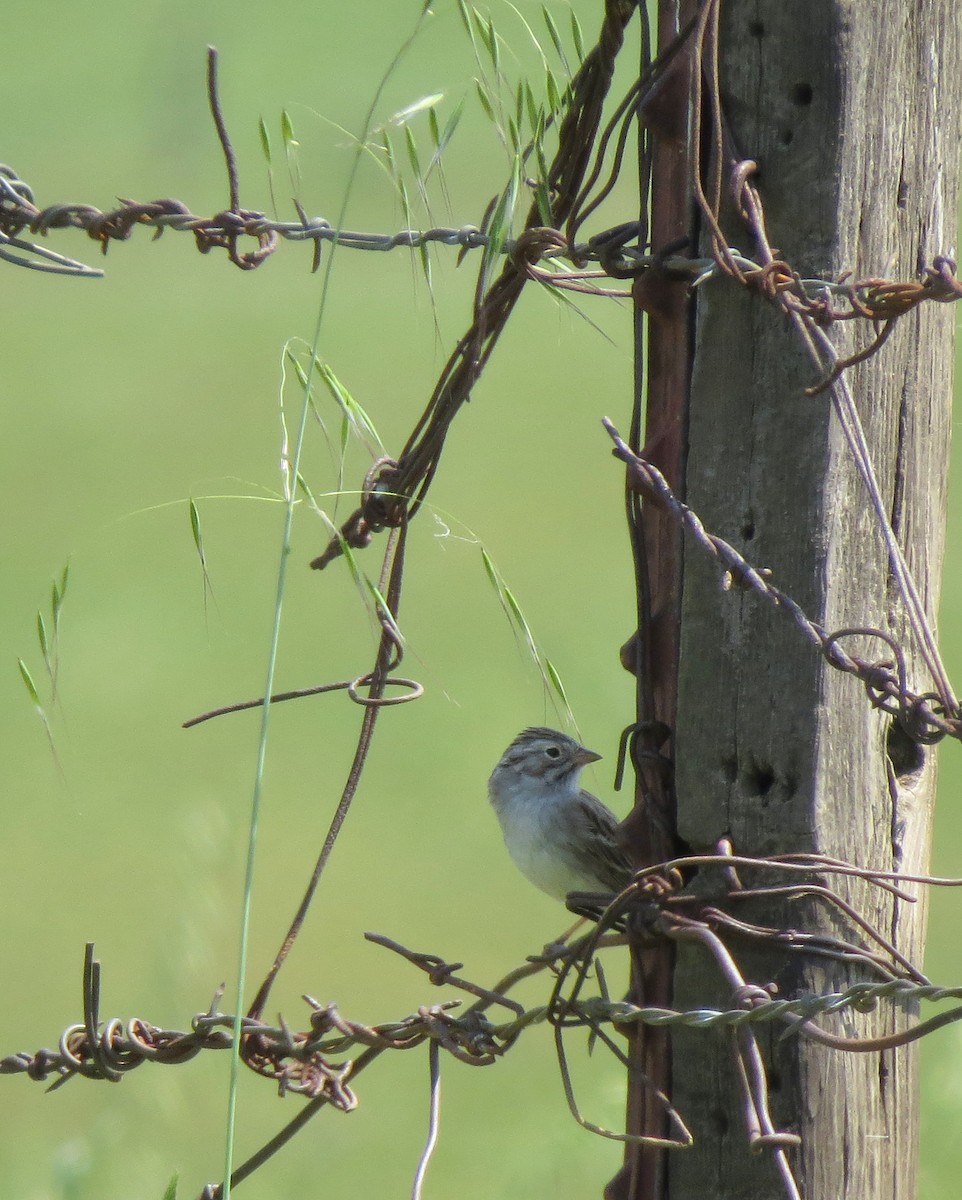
x=552, y=752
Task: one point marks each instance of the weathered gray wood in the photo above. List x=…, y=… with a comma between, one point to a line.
x=852, y=111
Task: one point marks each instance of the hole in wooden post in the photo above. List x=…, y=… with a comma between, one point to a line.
x=720, y=1121
x=906, y=756
x=802, y=94
x=760, y=779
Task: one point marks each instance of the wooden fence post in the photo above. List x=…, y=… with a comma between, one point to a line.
x=852, y=114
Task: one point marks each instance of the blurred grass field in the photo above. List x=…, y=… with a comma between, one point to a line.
x=127, y=397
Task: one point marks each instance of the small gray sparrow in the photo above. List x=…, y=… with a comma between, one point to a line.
x=560, y=837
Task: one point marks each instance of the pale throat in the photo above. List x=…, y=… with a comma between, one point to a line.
x=524, y=790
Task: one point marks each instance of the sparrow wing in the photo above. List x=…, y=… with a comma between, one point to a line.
x=597, y=847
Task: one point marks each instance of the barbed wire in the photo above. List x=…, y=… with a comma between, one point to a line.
x=320, y=1062
x=294, y=1058
x=871, y=299
x=923, y=717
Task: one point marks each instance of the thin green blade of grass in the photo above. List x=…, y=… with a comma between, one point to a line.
x=44, y=643
x=409, y=221
x=533, y=110
x=542, y=192
x=39, y=710
x=531, y=33
x=199, y=547
x=303, y=486
x=29, y=684
x=347, y=552
x=491, y=41
x=413, y=110
x=486, y=104
x=441, y=141
x=360, y=421
x=491, y=573
x=195, y=530
x=466, y=20
x=265, y=139
x=497, y=583
x=515, y=139
x=170, y=1191
x=554, y=93
x=543, y=200
x=555, y=36
x=434, y=128
x=425, y=256
x=415, y=160
x=307, y=389
x=286, y=539
x=58, y=591
x=562, y=299
x=388, y=147
x=374, y=602
x=522, y=623
x=484, y=27
x=577, y=36
x=519, y=625
x=291, y=147
x=499, y=228
x=57, y=594
x=299, y=371
x=556, y=683
x=368, y=147
x=383, y=612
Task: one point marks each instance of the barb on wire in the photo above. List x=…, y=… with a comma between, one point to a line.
x=925, y=718
x=232, y=223
x=323, y=1061
x=107, y=1050
x=879, y=301
x=872, y=299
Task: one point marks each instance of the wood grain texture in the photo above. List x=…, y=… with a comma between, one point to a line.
x=852, y=112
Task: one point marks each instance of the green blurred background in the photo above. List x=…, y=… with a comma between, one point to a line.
x=126, y=396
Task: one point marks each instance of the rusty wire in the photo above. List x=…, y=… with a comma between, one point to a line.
x=828, y=300
x=399, y=489
x=881, y=302
x=321, y=1062
x=107, y=1050
x=924, y=717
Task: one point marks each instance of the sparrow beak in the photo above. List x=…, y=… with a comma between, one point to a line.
x=585, y=756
